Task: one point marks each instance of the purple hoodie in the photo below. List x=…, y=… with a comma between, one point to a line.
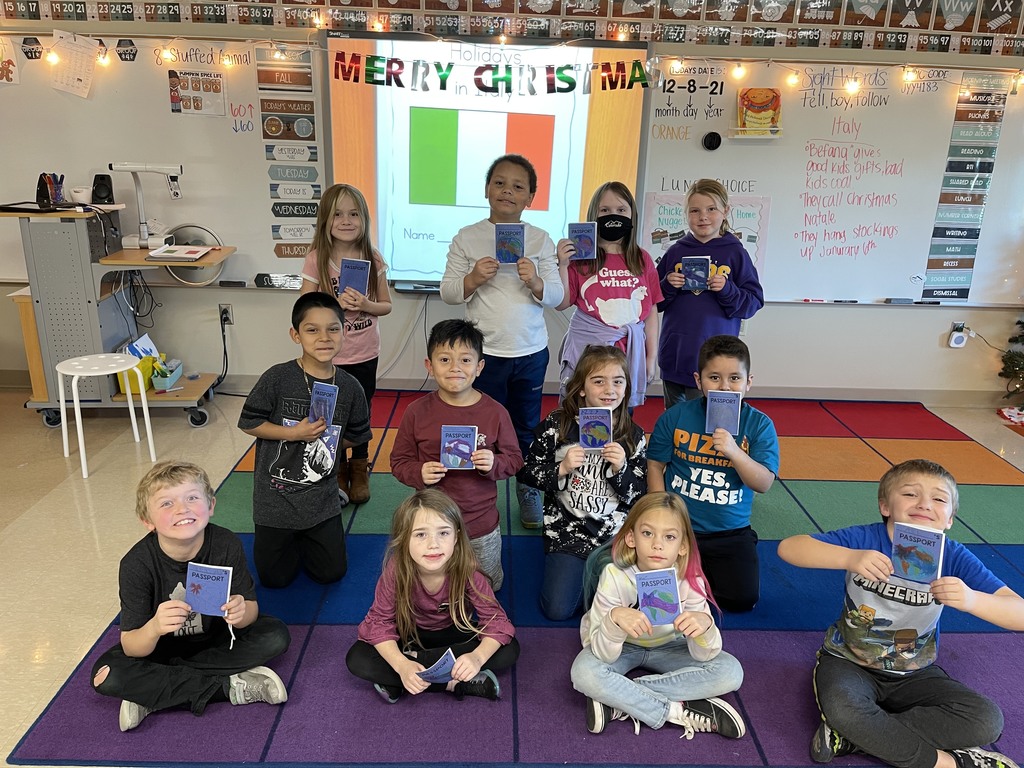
x=689, y=318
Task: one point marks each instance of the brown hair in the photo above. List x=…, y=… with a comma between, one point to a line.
x=459, y=570
x=712, y=188
x=898, y=474
x=323, y=243
x=595, y=356
x=631, y=250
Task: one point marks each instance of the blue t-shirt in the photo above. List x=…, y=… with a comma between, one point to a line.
x=894, y=625
x=715, y=496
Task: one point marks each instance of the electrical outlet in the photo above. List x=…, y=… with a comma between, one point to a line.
x=958, y=327
x=226, y=315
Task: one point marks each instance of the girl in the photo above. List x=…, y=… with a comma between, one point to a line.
x=692, y=317
x=586, y=494
x=342, y=232
x=615, y=293
x=685, y=658
x=430, y=598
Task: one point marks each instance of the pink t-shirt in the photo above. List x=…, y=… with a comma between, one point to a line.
x=360, y=330
x=613, y=295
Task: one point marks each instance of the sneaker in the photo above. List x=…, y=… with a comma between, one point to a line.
x=386, y=694
x=485, y=685
x=256, y=684
x=131, y=715
x=827, y=744
x=710, y=716
x=976, y=757
x=531, y=506
x=599, y=715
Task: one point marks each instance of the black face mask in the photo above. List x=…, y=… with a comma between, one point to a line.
x=613, y=227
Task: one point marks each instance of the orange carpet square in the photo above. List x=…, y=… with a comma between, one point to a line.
x=969, y=462
x=829, y=458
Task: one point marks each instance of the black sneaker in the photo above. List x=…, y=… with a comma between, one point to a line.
x=485, y=685
x=827, y=744
x=386, y=693
x=711, y=716
x=599, y=715
x=976, y=757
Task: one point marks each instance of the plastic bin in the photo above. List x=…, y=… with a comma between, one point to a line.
x=127, y=379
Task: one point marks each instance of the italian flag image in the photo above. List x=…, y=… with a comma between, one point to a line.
x=450, y=151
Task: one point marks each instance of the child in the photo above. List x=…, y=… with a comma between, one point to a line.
x=170, y=656
x=876, y=683
x=508, y=305
x=295, y=503
x=615, y=293
x=586, y=493
x=454, y=350
x=691, y=317
x=687, y=664
x=429, y=598
x=343, y=232
x=718, y=474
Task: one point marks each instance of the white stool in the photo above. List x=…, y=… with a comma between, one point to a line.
x=100, y=365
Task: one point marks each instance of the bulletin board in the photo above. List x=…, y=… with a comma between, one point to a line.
x=248, y=140
x=909, y=189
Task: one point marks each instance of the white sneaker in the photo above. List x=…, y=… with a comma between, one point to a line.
x=131, y=715
x=257, y=684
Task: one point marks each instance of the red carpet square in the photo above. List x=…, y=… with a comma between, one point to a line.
x=898, y=420
x=801, y=418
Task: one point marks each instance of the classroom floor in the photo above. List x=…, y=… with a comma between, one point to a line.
x=61, y=537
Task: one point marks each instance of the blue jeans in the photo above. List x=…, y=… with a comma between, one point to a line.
x=518, y=384
x=561, y=593
x=677, y=677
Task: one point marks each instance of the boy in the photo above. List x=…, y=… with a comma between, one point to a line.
x=454, y=350
x=875, y=682
x=508, y=305
x=718, y=474
x=295, y=498
x=170, y=656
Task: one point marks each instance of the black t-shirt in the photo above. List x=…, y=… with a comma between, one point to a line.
x=149, y=577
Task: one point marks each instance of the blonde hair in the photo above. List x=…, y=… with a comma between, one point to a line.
x=898, y=474
x=460, y=567
x=688, y=565
x=712, y=188
x=167, y=474
x=323, y=242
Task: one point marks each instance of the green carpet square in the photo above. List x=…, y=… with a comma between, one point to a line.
x=234, y=503
x=776, y=514
x=995, y=512
x=386, y=493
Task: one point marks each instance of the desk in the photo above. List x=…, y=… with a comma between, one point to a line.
x=68, y=254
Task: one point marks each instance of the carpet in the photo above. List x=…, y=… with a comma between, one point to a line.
x=832, y=456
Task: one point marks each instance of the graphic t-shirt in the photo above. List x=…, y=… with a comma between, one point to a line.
x=894, y=625
x=613, y=295
x=715, y=496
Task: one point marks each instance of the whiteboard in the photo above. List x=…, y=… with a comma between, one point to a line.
x=857, y=196
x=230, y=183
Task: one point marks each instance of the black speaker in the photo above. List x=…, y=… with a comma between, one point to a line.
x=102, y=189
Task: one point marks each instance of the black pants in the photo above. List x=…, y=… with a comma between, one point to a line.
x=189, y=673
x=364, y=662
x=279, y=553
x=731, y=565
x=366, y=374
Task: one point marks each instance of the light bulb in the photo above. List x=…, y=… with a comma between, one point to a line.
x=52, y=57
x=909, y=75
x=738, y=71
x=852, y=86
x=793, y=78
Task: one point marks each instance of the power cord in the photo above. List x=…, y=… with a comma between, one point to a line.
x=972, y=333
x=224, y=315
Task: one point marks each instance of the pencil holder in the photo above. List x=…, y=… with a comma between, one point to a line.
x=166, y=382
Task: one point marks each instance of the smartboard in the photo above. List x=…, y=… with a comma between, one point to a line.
x=901, y=189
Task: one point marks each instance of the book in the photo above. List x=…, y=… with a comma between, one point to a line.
x=179, y=253
x=441, y=670
x=917, y=552
x=723, y=411
x=584, y=236
x=207, y=588
x=657, y=594
x=696, y=271
x=509, y=242
x=457, y=445
x=322, y=399
x=355, y=273
x=595, y=428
